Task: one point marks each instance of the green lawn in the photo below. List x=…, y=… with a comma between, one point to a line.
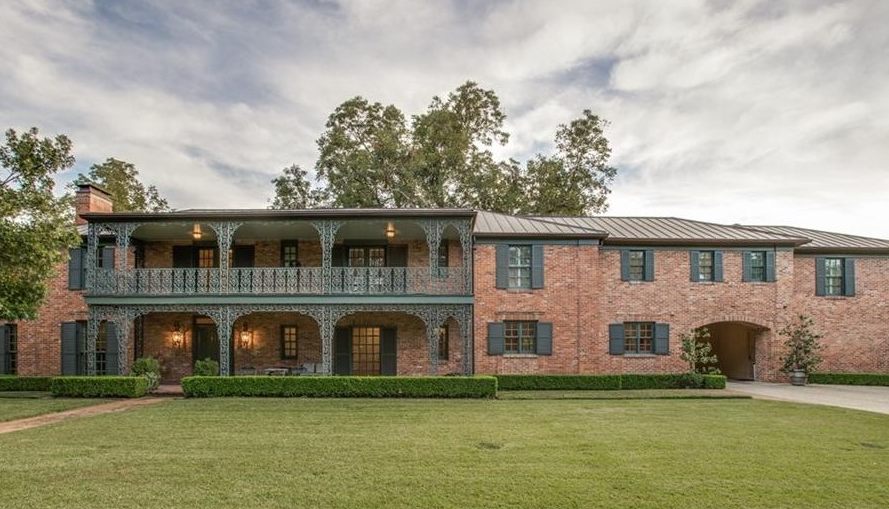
x=21, y=405
x=735, y=453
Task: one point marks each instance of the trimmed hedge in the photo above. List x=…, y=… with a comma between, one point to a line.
x=608, y=382
x=558, y=382
x=100, y=386
x=341, y=386
x=25, y=383
x=850, y=378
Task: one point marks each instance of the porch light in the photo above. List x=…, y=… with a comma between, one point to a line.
x=390, y=230
x=196, y=232
x=178, y=336
x=245, y=340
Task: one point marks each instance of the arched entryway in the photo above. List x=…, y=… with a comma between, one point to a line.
x=735, y=346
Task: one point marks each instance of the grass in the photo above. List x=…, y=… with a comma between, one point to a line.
x=20, y=405
x=270, y=453
x=627, y=394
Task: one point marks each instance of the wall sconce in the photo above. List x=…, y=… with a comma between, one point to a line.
x=390, y=230
x=245, y=339
x=178, y=336
x=196, y=232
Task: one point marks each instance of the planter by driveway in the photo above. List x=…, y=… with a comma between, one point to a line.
x=858, y=397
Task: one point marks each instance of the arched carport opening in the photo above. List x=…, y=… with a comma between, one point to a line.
x=734, y=344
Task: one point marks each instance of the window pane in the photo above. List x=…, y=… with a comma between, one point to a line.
x=646, y=338
x=288, y=342
x=630, y=332
x=366, y=350
x=758, y=266
x=637, y=265
x=511, y=337
x=529, y=334
x=520, y=266
x=705, y=266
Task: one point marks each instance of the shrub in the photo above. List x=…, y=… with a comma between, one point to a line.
x=341, y=386
x=558, y=382
x=206, y=367
x=25, y=383
x=850, y=378
x=697, y=352
x=150, y=368
x=99, y=386
x=714, y=382
x=661, y=381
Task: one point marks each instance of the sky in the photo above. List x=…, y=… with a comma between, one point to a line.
x=751, y=112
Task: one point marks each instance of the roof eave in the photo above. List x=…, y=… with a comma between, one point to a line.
x=115, y=217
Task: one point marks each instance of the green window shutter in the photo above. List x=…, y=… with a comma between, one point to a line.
x=616, y=339
x=849, y=277
x=746, y=266
x=111, y=349
x=388, y=352
x=544, y=338
x=2, y=349
x=495, y=338
x=717, y=266
x=501, y=260
x=338, y=256
x=624, y=264
x=397, y=255
x=69, y=348
x=537, y=266
x=108, y=257
x=243, y=257
x=820, y=273
x=342, y=351
x=75, y=268
x=694, y=263
x=662, y=338
x=649, y=264
x=770, y=266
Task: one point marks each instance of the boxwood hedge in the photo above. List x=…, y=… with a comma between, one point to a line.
x=850, y=378
x=100, y=386
x=25, y=383
x=608, y=382
x=341, y=386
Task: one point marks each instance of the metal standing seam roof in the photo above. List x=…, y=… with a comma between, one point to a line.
x=828, y=241
x=672, y=230
x=257, y=214
x=493, y=224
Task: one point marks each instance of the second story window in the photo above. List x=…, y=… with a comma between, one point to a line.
x=289, y=253
x=520, y=266
x=833, y=276
x=757, y=266
x=705, y=266
x=637, y=265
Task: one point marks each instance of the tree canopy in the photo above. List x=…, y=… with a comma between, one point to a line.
x=371, y=156
x=35, y=226
x=121, y=180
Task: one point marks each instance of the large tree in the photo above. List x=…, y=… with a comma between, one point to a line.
x=128, y=194
x=294, y=191
x=369, y=157
x=36, y=227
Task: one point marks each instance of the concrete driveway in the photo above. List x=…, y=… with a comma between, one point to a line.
x=858, y=397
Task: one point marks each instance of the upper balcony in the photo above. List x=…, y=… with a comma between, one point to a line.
x=280, y=253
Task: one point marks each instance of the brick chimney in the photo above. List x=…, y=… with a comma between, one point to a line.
x=91, y=198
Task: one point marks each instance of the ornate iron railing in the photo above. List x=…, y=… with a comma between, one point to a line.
x=282, y=281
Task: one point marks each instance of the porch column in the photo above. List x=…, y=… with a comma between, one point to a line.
x=225, y=231
x=92, y=249
x=123, y=320
x=92, y=334
x=224, y=318
x=465, y=322
x=465, y=231
x=326, y=326
x=433, y=229
x=432, y=328
x=327, y=230
x=122, y=233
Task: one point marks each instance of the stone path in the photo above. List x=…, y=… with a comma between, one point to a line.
x=857, y=397
x=104, y=408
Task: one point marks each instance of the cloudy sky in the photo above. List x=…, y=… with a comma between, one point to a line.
x=736, y=112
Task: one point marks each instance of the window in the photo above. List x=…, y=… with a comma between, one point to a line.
x=10, y=336
x=757, y=266
x=288, y=341
x=520, y=266
x=638, y=337
x=365, y=350
x=289, y=253
x=833, y=276
x=443, y=337
x=443, y=254
x=637, y=265
x=705, y=266
x=206, y=258
x=101, y=350
x=520, y=337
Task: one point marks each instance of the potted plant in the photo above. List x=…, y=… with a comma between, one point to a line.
x=803, y=346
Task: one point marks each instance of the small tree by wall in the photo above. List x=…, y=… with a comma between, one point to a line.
x=698, y=352
x=803, y=345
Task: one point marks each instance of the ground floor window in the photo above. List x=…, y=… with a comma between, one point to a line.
x=638, y=337
x=365, y=350
x=443, y=343
x=520, y=337
x=10, y=347
x=288, y=341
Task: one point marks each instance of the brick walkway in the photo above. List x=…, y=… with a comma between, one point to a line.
x=40, y=420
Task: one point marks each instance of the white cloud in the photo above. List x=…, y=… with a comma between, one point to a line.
x=754, y=111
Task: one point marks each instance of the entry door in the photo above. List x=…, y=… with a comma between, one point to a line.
x=205, y=341
x=365, y=351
